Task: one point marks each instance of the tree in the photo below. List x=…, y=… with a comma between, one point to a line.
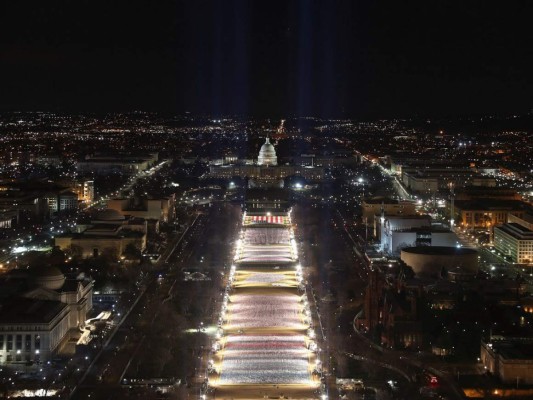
x=57, y=256
x=132, y=252
x=109, y=254
x=76, y=251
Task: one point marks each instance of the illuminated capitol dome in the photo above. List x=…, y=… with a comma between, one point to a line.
x=267, y=154
x=265, y=171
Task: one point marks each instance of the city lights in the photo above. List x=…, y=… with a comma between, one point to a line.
x=265, y=329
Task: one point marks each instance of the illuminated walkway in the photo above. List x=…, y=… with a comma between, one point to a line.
x=265, y=346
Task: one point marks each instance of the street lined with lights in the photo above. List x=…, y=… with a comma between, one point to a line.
x=265, y=343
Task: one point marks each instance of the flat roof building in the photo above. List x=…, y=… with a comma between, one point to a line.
x=160, y=209
x=374, y=206
x=110, y=233
x=391, y=223
x=515, y=241
x=526, y=220
x=41, y=312
x=485, y=213
x=392, y=242
x=31, y=329
x=510, y=359
x=128, y=164
x=432, y=180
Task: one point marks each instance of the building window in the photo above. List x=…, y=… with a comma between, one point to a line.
x=9, y=342
x=28, y=343
x=37, y=342
x=18, y=343
x=1, y=342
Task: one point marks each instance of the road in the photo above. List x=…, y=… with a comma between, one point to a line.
x=361, y=348
x=491, y=263
x=110, y=364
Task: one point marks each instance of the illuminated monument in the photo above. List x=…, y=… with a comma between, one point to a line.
x=265, y=170
x=266, y=346
x=267, y=154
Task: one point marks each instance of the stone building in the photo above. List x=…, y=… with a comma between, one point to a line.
x=265, y=169
x=156, y=209
x=47, y=310
x=109, y=233
x=510, y=359
x=516, y=241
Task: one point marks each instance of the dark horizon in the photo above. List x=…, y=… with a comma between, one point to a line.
x=277, y=59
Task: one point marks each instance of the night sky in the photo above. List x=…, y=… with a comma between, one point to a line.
x=268, y=58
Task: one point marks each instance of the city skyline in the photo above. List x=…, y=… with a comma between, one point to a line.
x=301, y=199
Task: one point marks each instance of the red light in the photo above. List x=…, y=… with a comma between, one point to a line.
x=434, y=380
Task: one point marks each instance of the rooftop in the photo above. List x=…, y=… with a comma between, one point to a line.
x=513, y=349
x=425, y=229
x=492, y=204
x=439, y=250
x=112, y=235
x=417, y=217
x=25, y=310
x=109, y=215
x=528, y=218
x=385, y=200
x=516, y=230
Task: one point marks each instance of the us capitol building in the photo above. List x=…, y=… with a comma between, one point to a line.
x=264, y=171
